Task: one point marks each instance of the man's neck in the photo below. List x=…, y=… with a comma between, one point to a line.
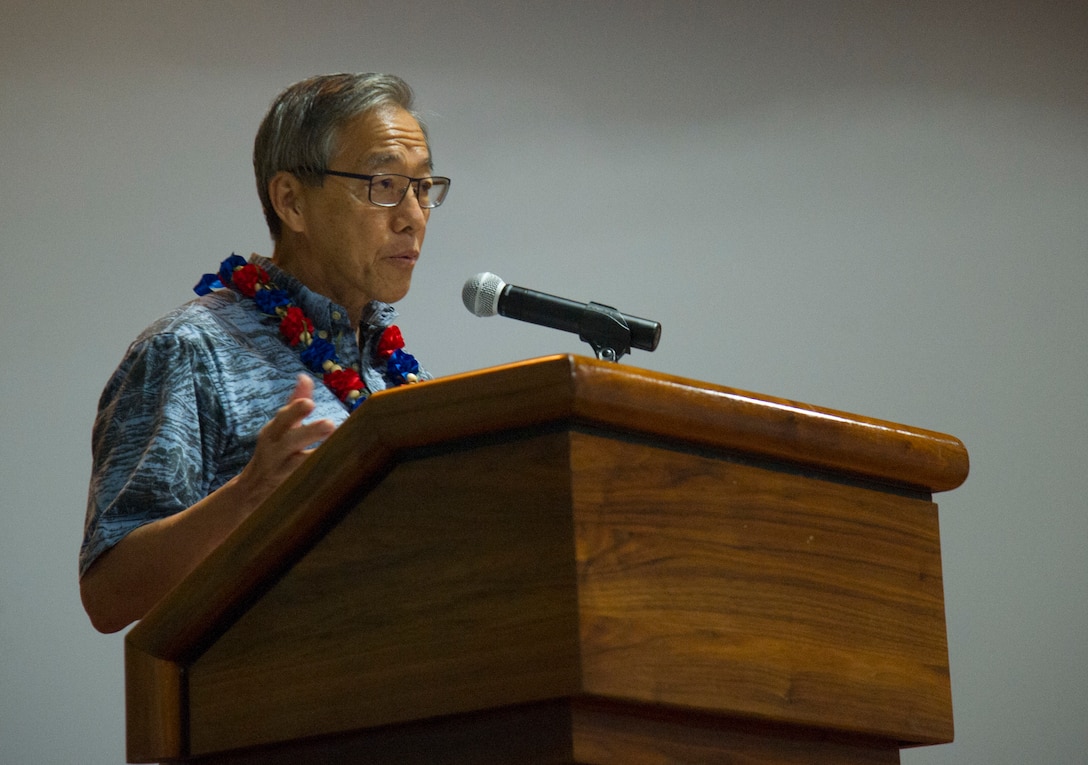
x=303, y=269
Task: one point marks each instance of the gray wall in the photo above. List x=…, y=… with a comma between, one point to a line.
x=877, y=207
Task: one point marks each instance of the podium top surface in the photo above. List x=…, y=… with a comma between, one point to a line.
x=588, y=392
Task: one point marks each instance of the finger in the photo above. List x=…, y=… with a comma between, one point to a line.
x=298, y=438
x=287, y=417
x=304, y=388
x=299, y=404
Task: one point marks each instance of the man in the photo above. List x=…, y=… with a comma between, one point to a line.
x=216, y=404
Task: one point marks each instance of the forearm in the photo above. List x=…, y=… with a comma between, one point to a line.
x=122, y=585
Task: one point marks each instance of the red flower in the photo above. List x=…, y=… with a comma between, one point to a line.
x=390, y=341
x=294, y=323
x=342, y=382
x=247, y=277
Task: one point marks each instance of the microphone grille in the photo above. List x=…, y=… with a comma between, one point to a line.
x=481, y=294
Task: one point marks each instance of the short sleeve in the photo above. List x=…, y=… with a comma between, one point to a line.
x=154, y=441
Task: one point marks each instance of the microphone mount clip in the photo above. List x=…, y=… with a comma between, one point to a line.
x=606, y=331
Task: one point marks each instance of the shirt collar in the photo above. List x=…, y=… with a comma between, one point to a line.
x=323, y=312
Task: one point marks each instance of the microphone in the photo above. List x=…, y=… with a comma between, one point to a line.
x=600, y=325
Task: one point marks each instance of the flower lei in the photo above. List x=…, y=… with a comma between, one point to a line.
x=318, y=354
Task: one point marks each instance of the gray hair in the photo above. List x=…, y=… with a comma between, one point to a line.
x=299, y=134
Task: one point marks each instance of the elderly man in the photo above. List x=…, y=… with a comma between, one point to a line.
x=216, y=403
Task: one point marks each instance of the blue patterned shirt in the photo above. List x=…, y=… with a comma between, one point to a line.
x=180, y=415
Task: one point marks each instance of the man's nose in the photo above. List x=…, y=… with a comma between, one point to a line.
x=410, y=208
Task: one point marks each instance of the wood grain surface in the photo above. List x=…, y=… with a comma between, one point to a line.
x=567, y=528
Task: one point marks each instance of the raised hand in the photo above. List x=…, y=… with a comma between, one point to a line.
x=284, y=442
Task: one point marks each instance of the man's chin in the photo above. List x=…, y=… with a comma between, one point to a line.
x=392, y=294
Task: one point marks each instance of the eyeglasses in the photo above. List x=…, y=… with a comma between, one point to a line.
x=389, y=189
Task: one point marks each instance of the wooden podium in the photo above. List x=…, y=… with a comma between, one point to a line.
x=567, y=561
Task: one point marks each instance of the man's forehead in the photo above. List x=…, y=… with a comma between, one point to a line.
x=380, y=159
x=383, y=137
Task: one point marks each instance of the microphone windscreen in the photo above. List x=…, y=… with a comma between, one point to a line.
x=481, y=294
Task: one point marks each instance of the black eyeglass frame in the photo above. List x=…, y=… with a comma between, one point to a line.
x=443, y=181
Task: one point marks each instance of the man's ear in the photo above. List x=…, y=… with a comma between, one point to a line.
x=285, y=192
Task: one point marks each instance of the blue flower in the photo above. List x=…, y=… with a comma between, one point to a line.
x=207, y=283
x=226, y=268
x=400, y=365
x=317, y=353
x=269, y=300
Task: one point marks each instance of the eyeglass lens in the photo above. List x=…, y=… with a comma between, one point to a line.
x=389, y=190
